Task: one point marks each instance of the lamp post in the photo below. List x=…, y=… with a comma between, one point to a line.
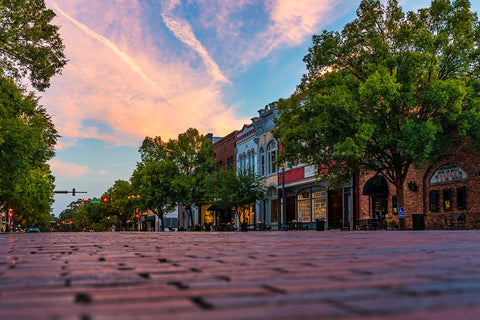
x=284, y=217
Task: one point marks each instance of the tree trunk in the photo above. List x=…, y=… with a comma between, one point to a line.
x=160, y=216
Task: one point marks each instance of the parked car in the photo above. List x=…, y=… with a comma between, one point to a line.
x=34, y=229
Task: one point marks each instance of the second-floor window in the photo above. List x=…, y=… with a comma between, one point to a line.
x=262, y=162
x=271, y=157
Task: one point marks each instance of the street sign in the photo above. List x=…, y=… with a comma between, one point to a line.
x=401, y=212
x=94, y=201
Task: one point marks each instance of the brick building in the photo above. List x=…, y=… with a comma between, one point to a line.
x=433, y=195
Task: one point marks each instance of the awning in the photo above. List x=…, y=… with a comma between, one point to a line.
x=375, y=185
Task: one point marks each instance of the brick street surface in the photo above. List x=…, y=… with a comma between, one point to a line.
x=251, y=275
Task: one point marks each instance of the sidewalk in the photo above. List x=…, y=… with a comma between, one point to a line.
x=251, y=275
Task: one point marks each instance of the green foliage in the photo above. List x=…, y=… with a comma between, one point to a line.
x=122, y=203
x=173, y=172
x=390, y=90
x=193, y=155
x=29, y=43
x=236, y=190
x=27, y=140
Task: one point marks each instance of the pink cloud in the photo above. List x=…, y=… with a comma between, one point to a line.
x=119, y=87
x=292, y=22
x=67, y=170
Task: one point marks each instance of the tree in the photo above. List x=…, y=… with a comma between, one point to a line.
x=153, y=181
x=236, y=190
x=193, y=154
x=389, y=91
x=27, y=140
x=29, y=44
x=122, y=203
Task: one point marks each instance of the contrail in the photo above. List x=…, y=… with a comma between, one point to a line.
x=122, y=55
x=183, y=31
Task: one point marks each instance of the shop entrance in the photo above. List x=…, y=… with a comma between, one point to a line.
x=334, y=209
x=380, y=209
x=290, y=209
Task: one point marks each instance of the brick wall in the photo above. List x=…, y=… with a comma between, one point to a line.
x=417, y=199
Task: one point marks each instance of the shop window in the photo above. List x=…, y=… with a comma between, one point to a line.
x=447, y=199
x=433, y=200
x=462, y=198
x=394, y=205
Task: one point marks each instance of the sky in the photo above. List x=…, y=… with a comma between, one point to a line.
x=142, y=68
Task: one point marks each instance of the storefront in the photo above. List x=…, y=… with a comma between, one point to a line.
x=440, y=196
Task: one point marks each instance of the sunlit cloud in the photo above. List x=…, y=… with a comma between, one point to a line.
x=138, y=69
x=291, y=23
x=183, y=31
x=67, y=170
x=122, y=55
x=110, y=90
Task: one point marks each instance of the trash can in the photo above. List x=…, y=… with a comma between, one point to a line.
x=418, y=222
x=319, y=225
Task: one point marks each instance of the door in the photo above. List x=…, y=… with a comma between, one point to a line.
x=334, y=209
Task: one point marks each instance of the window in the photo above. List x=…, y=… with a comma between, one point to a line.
x=253, y=161
x=262, y=162
x=447, y=199
x=311, y=204
x=433, y=200
x=462, y=198
x=271, y=157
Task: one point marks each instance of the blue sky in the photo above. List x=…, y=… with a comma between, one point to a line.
x=157, y=67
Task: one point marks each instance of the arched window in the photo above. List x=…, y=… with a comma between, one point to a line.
x=262, y=161
x=271, y=157
x=252, y=154
x=249, y=160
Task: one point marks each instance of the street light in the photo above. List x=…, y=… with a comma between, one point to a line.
x=284, y=217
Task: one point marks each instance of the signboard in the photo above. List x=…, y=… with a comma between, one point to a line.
x=94, y=201
x=401, y=212
x=448, y=173
x=309, y=171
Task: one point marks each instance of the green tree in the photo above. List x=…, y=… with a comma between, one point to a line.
x=120, y=195
x=389, y=91
x=193, y=154
x=27, y=140
x=236, y=190
x=153, y=181
x=29, y=44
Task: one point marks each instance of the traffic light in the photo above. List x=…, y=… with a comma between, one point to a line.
x=105, y=199
x=85, y=200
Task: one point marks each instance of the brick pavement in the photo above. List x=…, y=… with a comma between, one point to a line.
x=252, y=275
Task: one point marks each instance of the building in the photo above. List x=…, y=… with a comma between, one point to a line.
x=267, y=169
x=433, y=195
x=246, y=155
